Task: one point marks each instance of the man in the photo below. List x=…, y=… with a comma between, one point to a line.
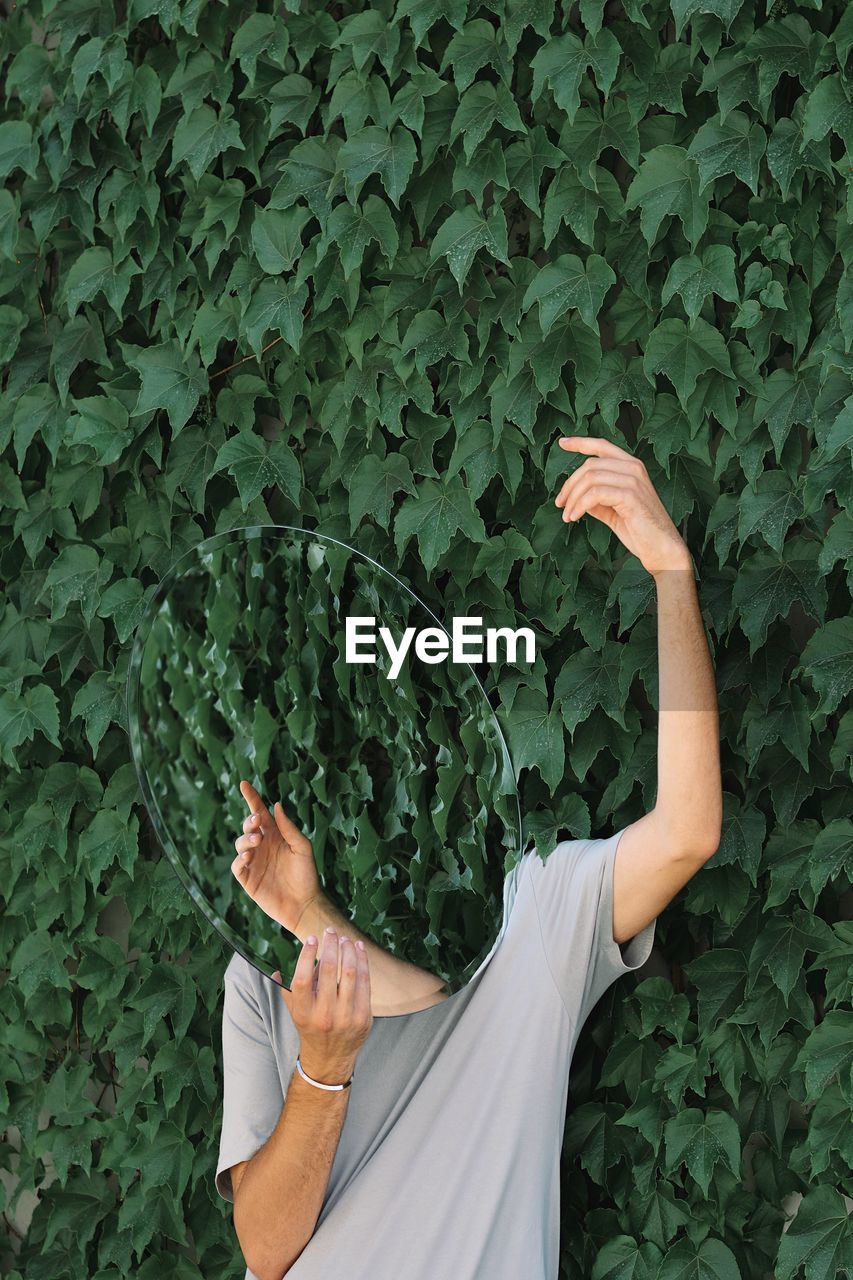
x=426, y=1145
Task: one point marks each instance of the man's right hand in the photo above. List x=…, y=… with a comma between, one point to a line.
x=333, y=1018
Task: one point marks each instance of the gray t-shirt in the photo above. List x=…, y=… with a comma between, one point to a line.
x=448, y=1162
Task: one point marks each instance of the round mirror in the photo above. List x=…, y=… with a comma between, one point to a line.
x=278, y=665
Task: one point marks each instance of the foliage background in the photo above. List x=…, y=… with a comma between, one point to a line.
x=358, y=267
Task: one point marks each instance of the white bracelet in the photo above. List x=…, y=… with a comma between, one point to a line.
x=330, y=1088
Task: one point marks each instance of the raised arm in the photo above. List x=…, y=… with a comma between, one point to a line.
x=659, y=852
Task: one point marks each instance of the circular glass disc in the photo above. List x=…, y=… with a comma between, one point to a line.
x=395, y=771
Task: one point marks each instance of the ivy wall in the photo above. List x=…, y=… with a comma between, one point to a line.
x=356, y=268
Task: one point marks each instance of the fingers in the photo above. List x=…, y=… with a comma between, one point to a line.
x=259, y=822
x=593, y=445
x=301, y=993
x=349, y=973
x=600, y=481
x=257, y=808
x=606, y=497
x=599, y=468
x=326, y=982
x=245, y=844
x=611, y=493
x=250, y=795
x=297, y=840
x=255, y=824
x=361, y=997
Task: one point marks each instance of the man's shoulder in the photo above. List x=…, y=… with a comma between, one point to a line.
x=565, y=853
x=241, y=972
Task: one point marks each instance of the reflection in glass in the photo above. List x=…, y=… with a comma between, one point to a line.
x=404, y=786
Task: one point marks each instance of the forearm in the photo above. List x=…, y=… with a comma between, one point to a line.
x=282, y=1188
x=397, y=986
x=689, y=791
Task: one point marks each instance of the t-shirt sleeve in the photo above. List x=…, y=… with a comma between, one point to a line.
x=573, y=890
x=252, y=1092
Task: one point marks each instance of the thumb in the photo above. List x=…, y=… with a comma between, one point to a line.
x=297, y=839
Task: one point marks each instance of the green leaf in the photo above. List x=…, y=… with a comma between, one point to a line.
x=578, y=199
x=684, y=10
x=788, y=45
x=277, y=238
x=560, y=64
x=276, y=305
x=829, y=110
x=172, y=379
x=482, y=458
x=90, y=273
x=536, y=738
x=668, y=184
x=19, y=148
x=424, y=14
x=527, y=161
x=481, y=107
x=370, y=150
x=438, y=510
x=124, y=601
x=430, y=337
x=367, y=35
x=257, y=35
x=202, y=136
x=353, y=229
x=39, y=959
x=77, y=574
x=497, y=555
x=568, y=282
x=684, y=352
x=34, y=710
x=622, y=1258
x=827, y=1053
x=819, y=1238
x=586, y=681
x=12, y=324
x=100, y=702
x=108, y=838
x=710, y=1260
x=732, y=77
x=616, y=381
x=100, y=424
x=256, y=463
x=293, y=101
x=829, y=1130
x=697, y=278
x=735, y=146
x=463, y=233
x=768, y=584
x=702, y=1140
x=472, y=48
x=604, y=51
x=310, y=173
x=373, y=486
x=786, y=399
x=665, y=85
